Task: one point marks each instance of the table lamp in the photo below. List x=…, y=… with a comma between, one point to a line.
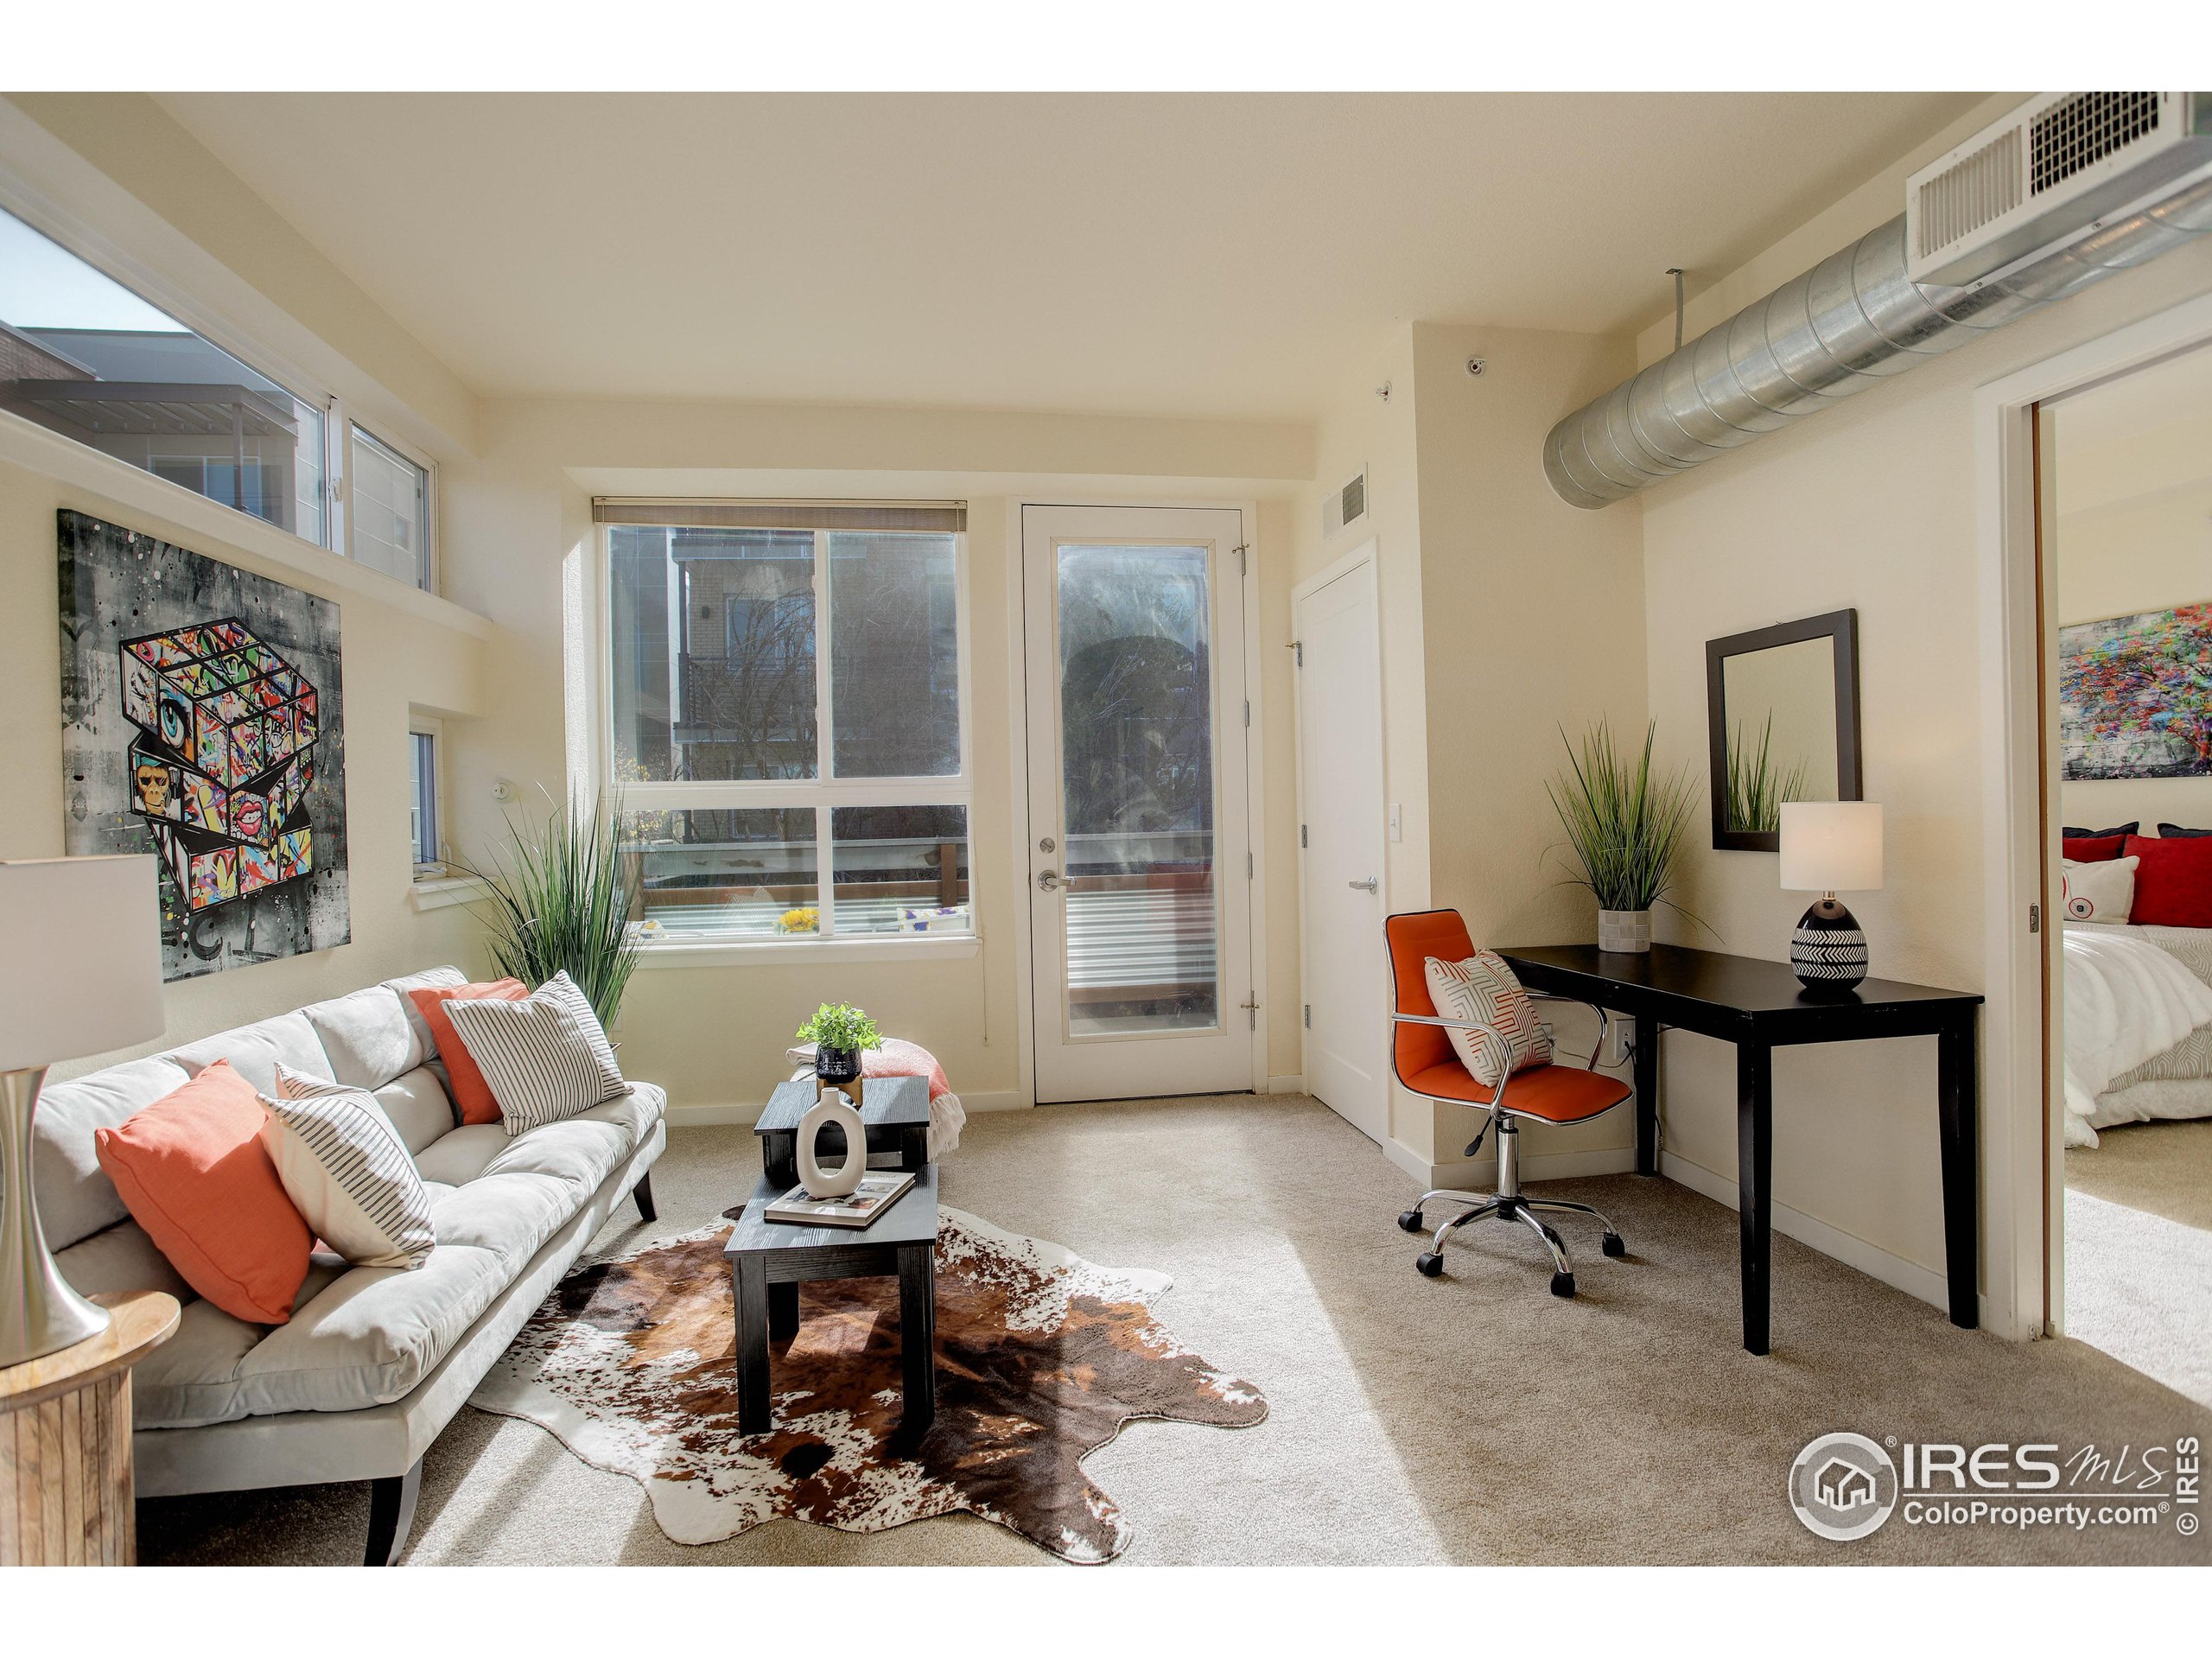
x=1830, y=847
x=81, y=974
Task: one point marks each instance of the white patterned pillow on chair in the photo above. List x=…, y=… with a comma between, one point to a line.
x=1484, y=988
x=546, y=1056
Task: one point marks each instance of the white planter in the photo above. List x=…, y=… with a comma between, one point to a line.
x=1625, y=931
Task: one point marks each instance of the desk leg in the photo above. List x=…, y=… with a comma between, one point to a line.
x=918, y=1337
x=783, y=1313
x=1754, y=1183
x=749, y=1279
x=1957, y=1104
x=1647, y=1094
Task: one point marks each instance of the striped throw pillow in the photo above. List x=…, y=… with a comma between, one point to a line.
x=1484, y=988
x=546, y=1056
x=347, y=1172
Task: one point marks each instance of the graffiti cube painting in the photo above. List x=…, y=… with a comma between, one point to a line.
x=200, y=723
x=2135, y=695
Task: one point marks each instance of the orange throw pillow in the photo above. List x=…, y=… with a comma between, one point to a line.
x=471, y=1094
x=192, y=1171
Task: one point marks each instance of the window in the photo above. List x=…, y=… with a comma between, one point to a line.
x=388, y=511
x=783, y=703
x=84, y=356
x=422, y=820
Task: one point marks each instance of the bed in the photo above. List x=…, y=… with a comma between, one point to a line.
x=2139, y=1025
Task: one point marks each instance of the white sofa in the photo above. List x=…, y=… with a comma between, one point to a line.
x=375, y=1361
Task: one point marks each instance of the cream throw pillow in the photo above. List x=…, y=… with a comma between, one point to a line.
x=1482, y=988
x=2098, y=890
x=347, y=1172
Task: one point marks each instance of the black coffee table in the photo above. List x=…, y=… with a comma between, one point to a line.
x=895, y=1110
x=769, y=1259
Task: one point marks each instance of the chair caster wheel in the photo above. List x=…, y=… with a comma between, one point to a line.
x=1613, y=1245
x=1409, y=1221
x=1563, y=1285
x=1430, y=1263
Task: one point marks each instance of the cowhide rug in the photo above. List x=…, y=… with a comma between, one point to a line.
x=1041, y=1357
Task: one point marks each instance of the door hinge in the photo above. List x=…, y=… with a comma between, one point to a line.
x=1247, y=867
x=2035, y=918
x=1240, y=549
x=1301, y=835
x=1309, y=1016
x=1297, y=649
x=1248, y=713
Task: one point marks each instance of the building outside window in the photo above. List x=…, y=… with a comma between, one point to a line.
x=423, y=829
x=783, y=701
x=388, y=511
x=84, y=356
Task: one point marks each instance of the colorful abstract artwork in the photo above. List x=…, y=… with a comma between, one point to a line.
x=2135, y=695
x=201, y=723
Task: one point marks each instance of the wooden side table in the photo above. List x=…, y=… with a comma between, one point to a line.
x=66, y=1497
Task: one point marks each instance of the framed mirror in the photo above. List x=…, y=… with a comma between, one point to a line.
x=1781, y=719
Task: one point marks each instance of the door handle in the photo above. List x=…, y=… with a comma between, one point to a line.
x=1048, y=880
x=1369, y=885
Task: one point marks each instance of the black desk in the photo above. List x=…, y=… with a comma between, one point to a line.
x=1759, y=1007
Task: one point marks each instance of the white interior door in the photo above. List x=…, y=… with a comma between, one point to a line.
x=1139, y=864
x=1342, y=816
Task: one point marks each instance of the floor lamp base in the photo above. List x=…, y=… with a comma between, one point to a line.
x=40, y=1313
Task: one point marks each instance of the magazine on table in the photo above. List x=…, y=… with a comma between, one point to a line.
x=877, y=1192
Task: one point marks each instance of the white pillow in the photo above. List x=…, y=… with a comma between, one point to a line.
x=2098, y=890
x=1482, y=988
x=347, y=1172
x=545, y=1055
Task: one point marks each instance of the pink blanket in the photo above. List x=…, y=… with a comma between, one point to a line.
x=896, y=1058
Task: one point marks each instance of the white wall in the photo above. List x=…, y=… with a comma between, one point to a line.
x=2134, y=534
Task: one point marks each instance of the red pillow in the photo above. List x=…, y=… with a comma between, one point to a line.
x=2093, y=849
x=2173, y=883
x=471, y=1094
x=192, y=1171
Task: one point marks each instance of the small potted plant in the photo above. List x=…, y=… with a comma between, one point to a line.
x=1627, y=829
x=839, y=1034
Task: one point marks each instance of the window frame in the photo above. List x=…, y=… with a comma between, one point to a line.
x=824, y=792
x=425, y=725
x=346, y=424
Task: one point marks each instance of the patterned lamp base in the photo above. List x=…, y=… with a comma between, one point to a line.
x=1828, y=950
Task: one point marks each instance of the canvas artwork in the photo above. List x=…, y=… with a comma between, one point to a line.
x=200, y=721
x=2135, y=695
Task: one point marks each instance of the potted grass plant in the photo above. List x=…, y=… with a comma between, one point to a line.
x=1626, y=829
x=560, y=899
x=839, y=1033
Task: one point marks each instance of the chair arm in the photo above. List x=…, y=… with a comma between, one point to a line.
x=1604, y=1020
x=1505, y=1047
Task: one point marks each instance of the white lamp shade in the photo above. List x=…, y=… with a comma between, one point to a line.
x=1831, y=846
x=81, y=957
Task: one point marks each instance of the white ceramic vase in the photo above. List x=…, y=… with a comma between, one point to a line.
x=1628, y=931
x=832, y=1107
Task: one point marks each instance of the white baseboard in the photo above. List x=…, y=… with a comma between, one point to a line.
x=1926, y=1283
x=996, y=1100
x=1292, y=1084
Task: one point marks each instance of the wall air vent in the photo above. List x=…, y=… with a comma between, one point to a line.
x=1345, y=506
x=2047, y=175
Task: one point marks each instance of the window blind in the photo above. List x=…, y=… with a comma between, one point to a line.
x=726, y=514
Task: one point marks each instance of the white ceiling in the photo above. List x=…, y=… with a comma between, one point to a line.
x=1184, y=255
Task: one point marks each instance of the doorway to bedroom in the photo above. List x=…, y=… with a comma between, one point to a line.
x=2124, y=497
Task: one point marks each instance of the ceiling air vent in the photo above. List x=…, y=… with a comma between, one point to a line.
x=2049, y=174
x=1345, y=506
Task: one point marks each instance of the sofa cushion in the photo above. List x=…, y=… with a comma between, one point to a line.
x=428, y=976
x=367, y=1038
x=254, y=1050
x=121, y=1257
x=418, y=1107
x=75, y=1198
x=193, y=1378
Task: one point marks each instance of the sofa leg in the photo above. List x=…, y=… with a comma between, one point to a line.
x=643, y=1192
x=391, y=1514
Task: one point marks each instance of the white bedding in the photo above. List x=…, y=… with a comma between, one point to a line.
x=2128, y=1002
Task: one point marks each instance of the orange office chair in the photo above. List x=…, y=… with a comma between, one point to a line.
x=1425, y=1063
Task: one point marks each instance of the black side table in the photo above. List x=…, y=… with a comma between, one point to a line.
x=769, y=1259
x=896, y=1111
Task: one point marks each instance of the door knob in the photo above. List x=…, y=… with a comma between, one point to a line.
x=1369, y=885
x=1048, y=880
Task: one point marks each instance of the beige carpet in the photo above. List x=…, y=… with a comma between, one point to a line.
x=2139, y=1251
x=1469, y=1419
